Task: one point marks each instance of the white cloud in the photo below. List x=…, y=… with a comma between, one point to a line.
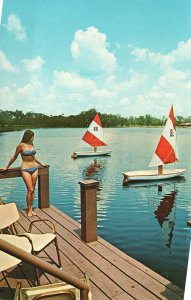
x=102, y=93
x=30, y=90
x=172, y=78
x=117, y=45
x=181, y=53
x=72, y=81
x=149, y=86
x=90, y=50
x=143, y=54
x=7, y=98
x=5, y=64
x=132, y=81
x=33, y=65
x=124, y=101
x=140, y=54
x=29, y=97
x=69, y=90
x=168, y=78
x=15, y=27
x=72, y=90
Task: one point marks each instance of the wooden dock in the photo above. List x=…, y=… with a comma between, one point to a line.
x=112, y=273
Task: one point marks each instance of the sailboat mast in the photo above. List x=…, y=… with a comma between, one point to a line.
x=160, y=169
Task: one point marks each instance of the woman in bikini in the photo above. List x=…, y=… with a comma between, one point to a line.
x=29, y=167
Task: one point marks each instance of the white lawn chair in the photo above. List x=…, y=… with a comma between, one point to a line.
x=8, y=261
x=9, y=215
x=55, y=291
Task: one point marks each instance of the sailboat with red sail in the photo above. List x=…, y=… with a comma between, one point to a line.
x=166, y=153
x=94, y=136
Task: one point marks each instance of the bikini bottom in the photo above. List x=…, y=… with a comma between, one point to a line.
x=30, y=170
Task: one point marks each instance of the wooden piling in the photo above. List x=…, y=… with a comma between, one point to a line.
x=88, y=210
x=43, y=188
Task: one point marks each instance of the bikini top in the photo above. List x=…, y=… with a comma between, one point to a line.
x=28, y=152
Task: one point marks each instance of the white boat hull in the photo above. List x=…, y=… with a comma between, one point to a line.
x=91, y=153
x=149, y=175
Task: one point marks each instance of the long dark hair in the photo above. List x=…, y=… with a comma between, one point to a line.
x=28, y=134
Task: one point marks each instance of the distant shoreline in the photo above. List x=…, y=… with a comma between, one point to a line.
x=24, y=127
x=17, y=120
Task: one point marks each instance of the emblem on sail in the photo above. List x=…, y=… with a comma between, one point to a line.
x=166, y=150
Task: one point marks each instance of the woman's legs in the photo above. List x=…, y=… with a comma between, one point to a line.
x=30, y=181
x=34, y=180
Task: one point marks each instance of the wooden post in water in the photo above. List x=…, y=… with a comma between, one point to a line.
x=88, y=210
x=43, y=187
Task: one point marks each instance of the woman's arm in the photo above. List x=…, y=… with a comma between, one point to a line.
x=13, y=158
x=41, y=164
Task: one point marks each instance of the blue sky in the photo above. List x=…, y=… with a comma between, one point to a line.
x=127, y=57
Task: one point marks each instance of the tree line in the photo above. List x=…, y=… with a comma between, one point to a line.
x=30, y=119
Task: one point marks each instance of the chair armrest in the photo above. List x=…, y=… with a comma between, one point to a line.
x=87, y=280
x=17, y=291
x=42, y=220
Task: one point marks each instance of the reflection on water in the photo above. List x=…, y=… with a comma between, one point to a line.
x=90, y=170
x=165, y=214
x=164, y=211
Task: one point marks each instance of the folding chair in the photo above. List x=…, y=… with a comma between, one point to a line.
x=39, y=241
x=8, y=261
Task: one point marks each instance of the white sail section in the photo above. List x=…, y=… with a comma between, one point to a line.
x=166, y=151
x=155, y=161
x=96, y=130
x=169, y=132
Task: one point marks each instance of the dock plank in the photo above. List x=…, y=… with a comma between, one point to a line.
x=135, y=270
x=105, y=268
x=113, y=274
x=77, y=251
x=71, y=251
x=153, y=283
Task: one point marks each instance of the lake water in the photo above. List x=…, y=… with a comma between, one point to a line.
x=147, y=221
